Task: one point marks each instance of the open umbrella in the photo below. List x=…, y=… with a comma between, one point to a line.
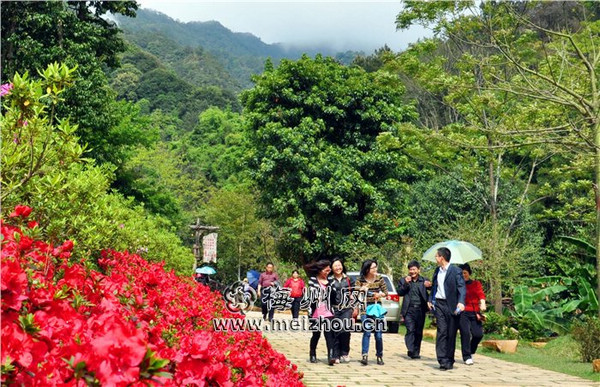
x=253, y=276
x=205, y=270
x=461, y=252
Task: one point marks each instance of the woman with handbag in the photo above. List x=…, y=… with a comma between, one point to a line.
x=376, y=289
x=319, y=291
x=341, y=286
x=471, y=320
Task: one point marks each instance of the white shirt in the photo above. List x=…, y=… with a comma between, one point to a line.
x=441, y=277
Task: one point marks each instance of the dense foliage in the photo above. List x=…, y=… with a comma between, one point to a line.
x=36, y=34
x=44, y=166
x=131, y=324
x=322, y=174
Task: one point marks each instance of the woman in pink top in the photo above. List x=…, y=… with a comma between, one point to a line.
x=320, y=311
x=296, y=284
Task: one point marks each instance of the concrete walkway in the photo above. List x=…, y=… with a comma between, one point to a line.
x=399, y=370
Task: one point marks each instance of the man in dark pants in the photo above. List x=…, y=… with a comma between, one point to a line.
x=414, y=307
x=265, y=281
x=447, y=301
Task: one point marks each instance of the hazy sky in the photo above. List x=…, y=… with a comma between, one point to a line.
x=357, y=25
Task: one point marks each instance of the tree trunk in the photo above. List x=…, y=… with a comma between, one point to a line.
x=597, y=191
x=495, y=278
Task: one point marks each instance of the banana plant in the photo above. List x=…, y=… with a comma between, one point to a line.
x=551, y=301
x=580, y=277
x=544, y=307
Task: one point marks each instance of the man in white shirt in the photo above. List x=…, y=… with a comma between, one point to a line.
x=447, y=300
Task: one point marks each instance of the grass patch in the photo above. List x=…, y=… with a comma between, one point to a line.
x=560, y=355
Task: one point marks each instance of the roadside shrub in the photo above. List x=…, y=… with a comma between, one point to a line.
x=131, y=324
x=513, y=327
x=527, y=329
x=495, y=323
x=587, y=334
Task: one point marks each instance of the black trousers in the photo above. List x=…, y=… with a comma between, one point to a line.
x=329, y=341
x=471, y=333
x=414, y=321
x=296, y=307
x=341, y=342
x=447, y=328
x=266, y=296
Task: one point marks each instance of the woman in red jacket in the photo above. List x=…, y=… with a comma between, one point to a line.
x=471, y=324
x=296, y=284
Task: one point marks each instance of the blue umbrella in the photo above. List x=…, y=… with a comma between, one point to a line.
x=253, y=276
x=205, y=270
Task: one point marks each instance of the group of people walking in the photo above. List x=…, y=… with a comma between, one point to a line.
x=452, y=296
x=331, y=285
x=327, y=285
x=456, y=302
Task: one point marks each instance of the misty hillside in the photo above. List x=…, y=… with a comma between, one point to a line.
x=240, y=54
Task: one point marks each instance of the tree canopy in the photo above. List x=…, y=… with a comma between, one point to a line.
x=323, y=176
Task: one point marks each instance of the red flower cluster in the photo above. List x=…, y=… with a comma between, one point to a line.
x=134, y=324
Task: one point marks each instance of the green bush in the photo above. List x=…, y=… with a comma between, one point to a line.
x=71, y=197
x=513, y=327
x=495, y=323
x=587, y=334
x=527, y=329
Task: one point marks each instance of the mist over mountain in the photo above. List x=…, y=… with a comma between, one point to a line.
x=240, y=53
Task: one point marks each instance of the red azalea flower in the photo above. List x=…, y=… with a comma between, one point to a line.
x=32, y=224
x=103, y=325
x=13, y=285
x=67, y=245
x=21, y=210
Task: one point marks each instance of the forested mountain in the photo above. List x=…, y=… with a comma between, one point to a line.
x=241, y=54
x=183, y=81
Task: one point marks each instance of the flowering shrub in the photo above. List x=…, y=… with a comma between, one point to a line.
x=44, y=166
x=132, y=324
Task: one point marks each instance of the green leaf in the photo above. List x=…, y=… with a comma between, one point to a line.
x=548, y=292
x=523, y=299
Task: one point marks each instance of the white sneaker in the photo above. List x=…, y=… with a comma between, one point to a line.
x=469, y=361
x=345, y=359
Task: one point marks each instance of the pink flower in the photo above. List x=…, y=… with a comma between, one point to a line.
x=5, y=89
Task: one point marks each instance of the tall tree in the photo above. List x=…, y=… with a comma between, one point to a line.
x=532, y=59
x=245, y=241
x=35, y=34
x=322, y=174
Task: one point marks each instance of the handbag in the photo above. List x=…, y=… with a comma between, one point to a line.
x=376, y=311
x=480, y=317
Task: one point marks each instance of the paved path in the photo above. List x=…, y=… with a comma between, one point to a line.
x=399, y=370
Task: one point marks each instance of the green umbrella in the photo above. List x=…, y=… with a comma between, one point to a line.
x=461, y=252
x=205, y=270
